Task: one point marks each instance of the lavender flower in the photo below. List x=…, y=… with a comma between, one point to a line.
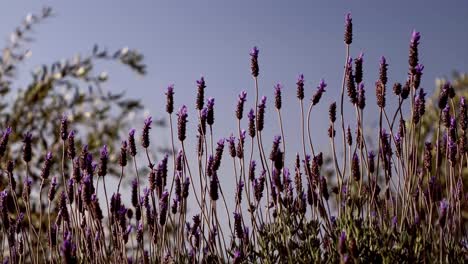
x=405, y=90
x=275, y=148
x=300, y=87
x=348, y=34
x=131, y=142
x=163, y=205
x=361, y=97
x=261, y=113
x=452, y=148
x=240, y=187
x=87, y=190
x=251, y=117
x=4, y=141
x=332, y=112
x=397, y=89
x=45, y=172
x=232, y=145
x=96, y=208
x=383, y=71
x=64, y=127
x=324, y=188
x=443, y=96
x=200, y=93
x=135, y=193
x=139, y=235
x=182, y=122
x=104, y=157
x=238, y=225
x=63, y=210
x=463, y=117
x=218, y=154
x=350, y=84
x=170, y=99
x=358, y=68
x=210, y=111
x=71, y=151
x=185, y=190
x=349, y=136
x=240, y=144
x=413, y=51
x=27, y=148
x=417, y=75
x=319, y=92
x=254, y=62
x=238, y=257
x=252, y=167
x=443, y=210
x=69, y=250
x=342, y=243
x=145, y=134
x=259, y=185
x=428, y=157
x=355, y=170
x=380, y=94
x=123, y=154
x=10, y=167
x=278, y=88
x=214, y=194
x=240, y=104
x=52, y=189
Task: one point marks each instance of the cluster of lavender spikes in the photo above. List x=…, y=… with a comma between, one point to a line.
x=400, y=202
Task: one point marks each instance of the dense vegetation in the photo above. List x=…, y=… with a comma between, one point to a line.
x=399, y=203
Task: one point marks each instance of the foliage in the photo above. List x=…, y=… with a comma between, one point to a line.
x=68, y=87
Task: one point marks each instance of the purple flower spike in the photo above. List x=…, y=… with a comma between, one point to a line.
x=278, y=88
x=145, y=134
x=383, y=60
x=240, y=104
x=148, y=121
x=254, y=52
x=419, y=68
x=254, y=62
x=361, y=56
x=277, y=140
x=348, y=35
x=210, y=102
x=170, y=99
x=415, y=37
x=243, y=134
x=361, y=98
x=251, y=117
x=104, y=152
x=4, y=141
x=322, y=85
x=342, y=243
x=243, y=96
x=443, y=212
x=200, y=93
x=251, y=114
x=319, y=92
x=300, y=87
x=201, y=82
x=182, y=122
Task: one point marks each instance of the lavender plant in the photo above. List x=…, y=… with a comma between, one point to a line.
x=400, y=202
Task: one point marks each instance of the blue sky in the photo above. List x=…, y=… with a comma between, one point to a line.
x=182, y=40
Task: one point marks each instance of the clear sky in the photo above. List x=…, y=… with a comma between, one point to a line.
x=182, y=40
